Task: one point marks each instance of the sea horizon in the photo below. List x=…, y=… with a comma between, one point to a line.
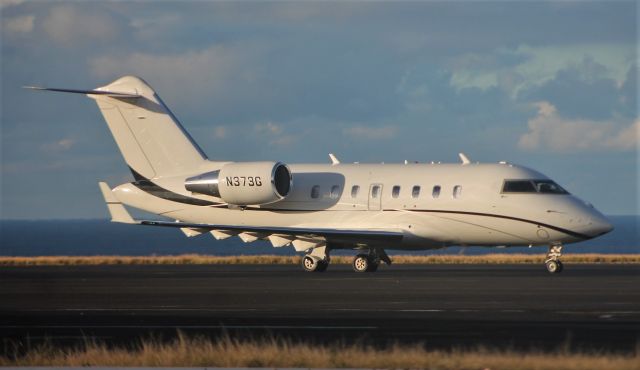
x=92, y=237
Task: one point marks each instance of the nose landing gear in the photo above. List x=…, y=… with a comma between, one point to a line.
x=552, y=262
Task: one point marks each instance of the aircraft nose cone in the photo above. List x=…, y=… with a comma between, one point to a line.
x=599, y=226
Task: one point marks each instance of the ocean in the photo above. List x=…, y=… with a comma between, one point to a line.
x=101, y=237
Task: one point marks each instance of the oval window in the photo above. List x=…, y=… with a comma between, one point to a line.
x=436, y=191
x=415, y=192
x=315, y=191
x=354, y=191
x=335, y=192
x=457, y=191
x=395, y=192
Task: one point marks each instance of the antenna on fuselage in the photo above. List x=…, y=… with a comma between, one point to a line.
x=334, y=159
x=464, y=158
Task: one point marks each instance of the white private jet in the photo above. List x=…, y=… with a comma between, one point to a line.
x=321, y=207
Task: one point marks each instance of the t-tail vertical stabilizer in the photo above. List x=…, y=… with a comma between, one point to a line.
x=149, y=136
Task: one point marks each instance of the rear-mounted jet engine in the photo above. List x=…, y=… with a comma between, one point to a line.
x=244, y=183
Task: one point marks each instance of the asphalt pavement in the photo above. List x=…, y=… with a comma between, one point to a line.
x=441, y=306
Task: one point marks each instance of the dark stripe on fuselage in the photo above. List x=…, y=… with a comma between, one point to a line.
x=148, y=186
x=556, y=228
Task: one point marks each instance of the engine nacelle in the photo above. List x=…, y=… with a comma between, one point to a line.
x=244, y=183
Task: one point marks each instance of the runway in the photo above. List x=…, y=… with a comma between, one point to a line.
x=442, y=306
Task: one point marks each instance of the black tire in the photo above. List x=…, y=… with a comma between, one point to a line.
x=553, y=267
x=310, y=264
x=560, y=266
x=373, y=267
x=322, y=266
x=361, y=263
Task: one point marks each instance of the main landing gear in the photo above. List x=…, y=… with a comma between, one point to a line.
x=318, y=260
x=370, y=262
x=552, y=262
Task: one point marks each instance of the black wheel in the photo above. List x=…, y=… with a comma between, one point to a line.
x=322, y=266
x=361, y=263
x=554, y=267
x=310, y=264
x=373, y=267
x=560, y=266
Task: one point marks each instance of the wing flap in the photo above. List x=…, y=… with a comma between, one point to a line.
x=348, y=235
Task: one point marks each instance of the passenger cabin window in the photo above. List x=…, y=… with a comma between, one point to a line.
x=335, y=192
x=354, y=191
x=415, y=192
x=315, y=191
x=436, y=191
x=396, y=191
x=532, y=186
x=457, y=191
x=375, y=191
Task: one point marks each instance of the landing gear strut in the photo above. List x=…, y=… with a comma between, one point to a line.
x=552, y=262
x=370, y=262
x=317, y=260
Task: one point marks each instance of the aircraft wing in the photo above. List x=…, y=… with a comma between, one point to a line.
x=278, y=235
x=327, y=233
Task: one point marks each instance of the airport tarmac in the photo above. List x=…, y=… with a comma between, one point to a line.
x=442, y=306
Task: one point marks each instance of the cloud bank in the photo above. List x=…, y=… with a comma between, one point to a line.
x=549, y=131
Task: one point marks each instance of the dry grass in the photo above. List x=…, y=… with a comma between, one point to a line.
x=227, y=352
x=196, y=259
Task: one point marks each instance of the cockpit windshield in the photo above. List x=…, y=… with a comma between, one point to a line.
x=532, y=186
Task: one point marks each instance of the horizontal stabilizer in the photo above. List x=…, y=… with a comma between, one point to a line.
x=116, y=208
x=113, y=94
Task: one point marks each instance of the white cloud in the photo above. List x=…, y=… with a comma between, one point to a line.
x=218, y=74
x=371, y=133
x=68, y=25
x=8, y=3
x=538, y=65
x=285, y=140
x=549, y=131
x=150, y=28
x=21, y=24
x=58, y=146
x=274, y=133
x=220, y=132
x=268, y=128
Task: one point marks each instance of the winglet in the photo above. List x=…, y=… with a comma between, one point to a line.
x=464, y=158
x=334, y=159
x=116, y=208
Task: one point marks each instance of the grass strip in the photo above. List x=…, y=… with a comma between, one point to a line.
x=274, y=353
x=197, y=259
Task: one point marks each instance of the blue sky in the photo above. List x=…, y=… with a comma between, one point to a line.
x=550, y=85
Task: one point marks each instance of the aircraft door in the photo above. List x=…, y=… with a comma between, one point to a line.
x=375, y=197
